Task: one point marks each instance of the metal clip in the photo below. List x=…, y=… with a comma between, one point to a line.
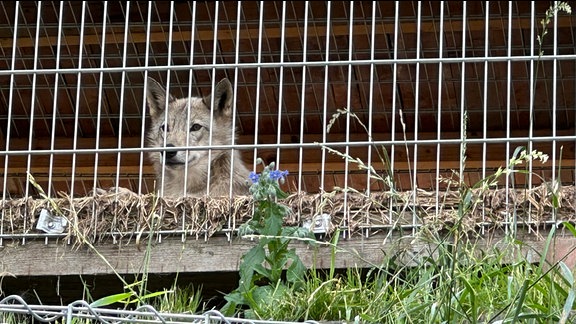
x=319, y=224
x=51, y=224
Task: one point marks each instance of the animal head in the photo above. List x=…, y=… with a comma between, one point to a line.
x=186, y=122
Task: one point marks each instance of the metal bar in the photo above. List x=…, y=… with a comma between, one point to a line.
x=508, y=109
x=281, y=83
x=416, y=114
x=286, y=64
x=8, y=128
x=439, y=103
x=485, y=96
x=325, y=96
x=77, y=106
x=99, y=111
x=303, y=99
x=259, y=65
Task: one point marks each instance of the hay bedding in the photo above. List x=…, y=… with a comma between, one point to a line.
x=126, y=213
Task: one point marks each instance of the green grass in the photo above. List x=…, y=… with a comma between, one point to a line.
x=180, y=300
x=467, y=285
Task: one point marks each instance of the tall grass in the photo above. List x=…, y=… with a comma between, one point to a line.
x=470, y=285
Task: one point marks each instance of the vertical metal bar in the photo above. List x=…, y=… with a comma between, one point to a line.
x=9, y=120
x=394, y=100
x=325, y=99
x=190, y=79
x=55, y=101
x=416, y=116
x=78, y=95
x=531, y=107
x=32, y=106
x=303, y=100
x=210, y=131
x=232, y=220
x=348, y=103
x=99, y=109
x=122, y=90
x=370, y=109
x=554, y=104
x=212, y=99
x=485, y=96
x=143, y=128
x=166, y=103
x=508, y=109
x=463, y=111
x=281, y=83
x=439, y=115
x=258, y=80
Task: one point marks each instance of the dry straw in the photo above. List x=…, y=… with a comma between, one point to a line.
x=126, y=213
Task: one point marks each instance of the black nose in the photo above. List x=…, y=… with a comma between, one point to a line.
x=170, y=154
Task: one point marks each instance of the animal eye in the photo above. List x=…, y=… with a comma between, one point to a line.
x=162, y=128
x=195, y=127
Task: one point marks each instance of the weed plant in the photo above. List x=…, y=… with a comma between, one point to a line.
x=262, y=275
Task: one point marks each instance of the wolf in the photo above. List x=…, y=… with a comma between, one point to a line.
x=185, y=122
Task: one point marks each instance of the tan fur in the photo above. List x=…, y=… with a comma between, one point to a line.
x=194, y=126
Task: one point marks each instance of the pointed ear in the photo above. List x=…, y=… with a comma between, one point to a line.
x=156, y=97
x=222, y=98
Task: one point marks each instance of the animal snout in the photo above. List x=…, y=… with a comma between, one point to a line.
x=170, y=154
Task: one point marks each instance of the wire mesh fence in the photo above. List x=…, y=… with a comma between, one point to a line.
x=13, y=309
x=124, y=120
x=350, y=97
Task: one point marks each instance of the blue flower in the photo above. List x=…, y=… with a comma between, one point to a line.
x=254, y=177
x=277, y=174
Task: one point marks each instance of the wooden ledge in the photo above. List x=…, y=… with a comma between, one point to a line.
x=171, y=255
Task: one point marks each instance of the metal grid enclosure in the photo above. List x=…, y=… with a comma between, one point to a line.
x=425, y=91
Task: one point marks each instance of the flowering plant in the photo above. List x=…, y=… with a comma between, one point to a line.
x=262, y=266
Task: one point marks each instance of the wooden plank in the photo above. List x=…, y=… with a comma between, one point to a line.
x=36, y=258
x=273, y=32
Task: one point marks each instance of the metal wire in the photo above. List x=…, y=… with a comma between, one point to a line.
x=16, y=306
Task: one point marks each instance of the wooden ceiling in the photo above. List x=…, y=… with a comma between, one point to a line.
x=72, y=77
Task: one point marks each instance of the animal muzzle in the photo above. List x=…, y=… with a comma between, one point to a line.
x=172, y=157
x=170, y=154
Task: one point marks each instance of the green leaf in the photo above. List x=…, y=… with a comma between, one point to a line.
x=566, y=273
x=260, y=269
x=467, y=201
x=296, y=271
x=570, y=227
x=520, y=300
x=108, y=300
x=262, y=294
x=567, y=309
x=517, y=151
x=551, y=234
x=234, y=297
x=273, y=222
x=253, y=257
x=279, y=193
x=156, y=294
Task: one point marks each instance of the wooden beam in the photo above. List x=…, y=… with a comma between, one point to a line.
x=273, y=32
x=37, y=257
